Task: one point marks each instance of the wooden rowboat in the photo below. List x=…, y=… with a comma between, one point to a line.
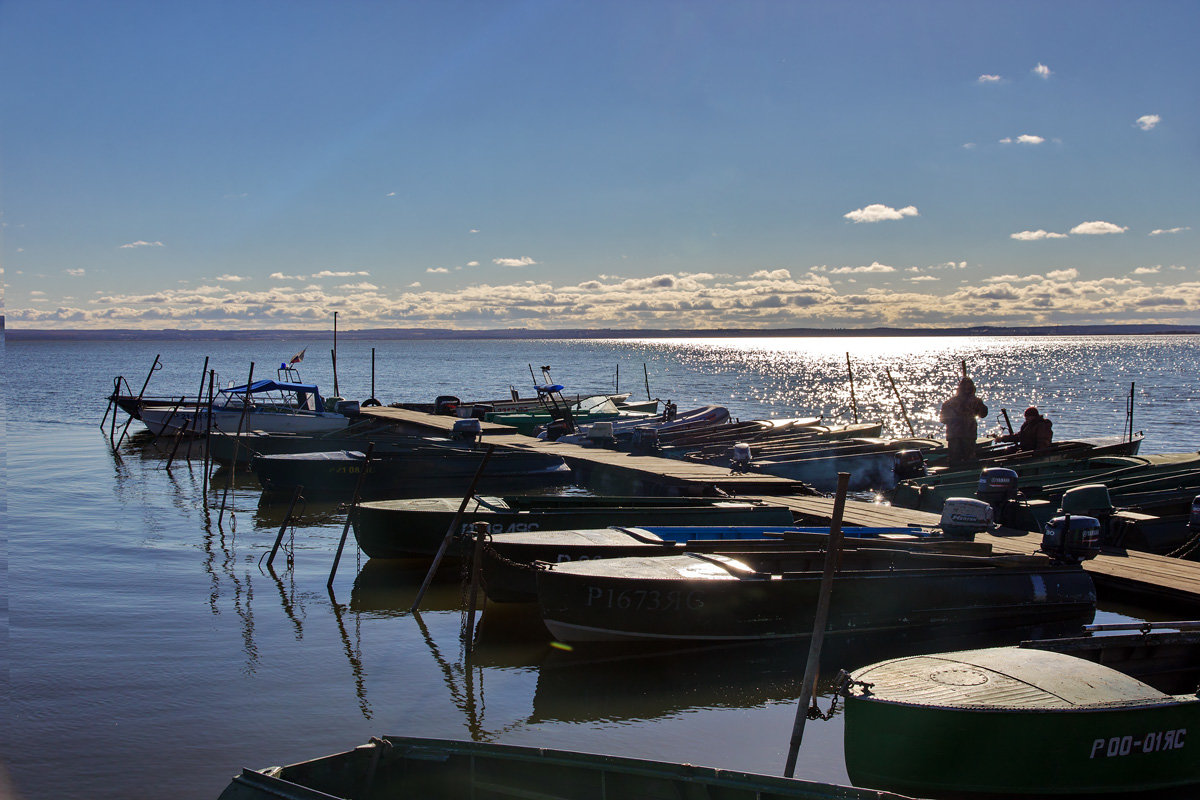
x=438, y=769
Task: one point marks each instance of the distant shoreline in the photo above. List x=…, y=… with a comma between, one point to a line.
x=387, y=334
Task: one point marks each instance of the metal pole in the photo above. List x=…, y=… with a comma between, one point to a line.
x=820, y=620
x=336, y=393
x=646, y=373
x=1131, y=411
x=903, y=411
x=212, y=376
x=372, y=373
x=153, y=368
x=195, y=420
x=452, y=528
x=237, y=438
x=350, y=513
x=853, y=402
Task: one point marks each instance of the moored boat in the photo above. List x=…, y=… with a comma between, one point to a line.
x=437, y=464
x=439, y=769
x=406, y=528
x=773, y=594
x=1087, y=716
x=510, y=568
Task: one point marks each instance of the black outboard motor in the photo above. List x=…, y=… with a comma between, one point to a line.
x=556, y=428
x=1194, y=517
x=446, y=404
x=908, y=464
x=1070, y=540
x=645, y=440
x=467, y=430
x=997, y=486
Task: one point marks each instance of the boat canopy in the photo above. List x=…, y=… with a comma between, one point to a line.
x=272, y=386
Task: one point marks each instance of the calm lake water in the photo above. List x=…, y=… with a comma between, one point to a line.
x=150, y=653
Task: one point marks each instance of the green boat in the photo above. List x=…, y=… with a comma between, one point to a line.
x=402, y=767
x=415, y=528
x=1093, y=715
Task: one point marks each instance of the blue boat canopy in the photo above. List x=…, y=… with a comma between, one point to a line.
x=549, y=387
x=272, y=386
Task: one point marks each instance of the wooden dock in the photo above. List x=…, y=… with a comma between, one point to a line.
x=1168, y=583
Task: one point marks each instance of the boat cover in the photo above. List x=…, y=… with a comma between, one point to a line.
x=268, y=385
x=1001, y=678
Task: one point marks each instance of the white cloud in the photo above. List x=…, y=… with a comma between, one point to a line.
x=985, y=78
x=437, y=271
x=231, y=278
x=969, y=146
x=524, y=261
x=877, y=212
x=1042, y=71
x=1148, y=270
x=875, y=267
x=1024, y=138
x=1097, y=228
x=74, y=273
x=363, y=286
x=917, y=278
x=141, y=243
x=1177, y=268
x=472, y=263
x=473, y=230
x=390, y=194
x=325, y=273
x=1148, y=122
x=1161, y=231
x=1063, y=274
x=279, y=276
x=1033, y=236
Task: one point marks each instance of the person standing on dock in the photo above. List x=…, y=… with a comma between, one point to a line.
x=1035, y=432
x=959, y=414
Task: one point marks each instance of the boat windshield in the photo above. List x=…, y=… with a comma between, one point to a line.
x=599, y=404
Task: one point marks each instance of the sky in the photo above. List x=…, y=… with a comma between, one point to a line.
x=556, y=164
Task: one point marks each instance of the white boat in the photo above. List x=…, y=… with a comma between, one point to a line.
x=271, y=405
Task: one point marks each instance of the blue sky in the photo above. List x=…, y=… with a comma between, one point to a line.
x=554, y=164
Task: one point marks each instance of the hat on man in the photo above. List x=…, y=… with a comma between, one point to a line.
x=1031, y=412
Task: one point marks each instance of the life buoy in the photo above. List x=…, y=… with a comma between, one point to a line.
x=371, y=401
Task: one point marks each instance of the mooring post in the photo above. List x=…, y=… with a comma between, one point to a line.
x=853, y=402
x=283, y=527
x=903, y=410
x=481, y=531
x=237, y=438
x=452, y=529
x=350, y=513
x=155, y=367
x=212, y=376
x=820, y=620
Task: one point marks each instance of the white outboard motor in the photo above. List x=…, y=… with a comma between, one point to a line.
x=467, y=430
x=739, y=457
x=908, y=464
x=997, y=485
x=1071, y=539
x=600, y=434
x=963, y=517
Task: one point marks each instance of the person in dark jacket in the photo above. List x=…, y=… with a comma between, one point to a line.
x=1035, y=432
x=959, y=414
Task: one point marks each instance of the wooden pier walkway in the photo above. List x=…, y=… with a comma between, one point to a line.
x=1168, y=583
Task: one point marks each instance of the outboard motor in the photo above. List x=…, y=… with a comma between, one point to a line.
x=1070, y=540
x=908, y=464
x=963, y=517
x=645, y=440
x=600, y=434
x=557, y=428
x=1090, y=500
x=481, y=410
x=1194, y=517
x=997, y=485
x=446, y=404
x=467, y=430
x=739, y=458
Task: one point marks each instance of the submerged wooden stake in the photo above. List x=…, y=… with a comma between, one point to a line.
x=350, y=513
x=453, y=527
x=821, y=619
x=481, y=530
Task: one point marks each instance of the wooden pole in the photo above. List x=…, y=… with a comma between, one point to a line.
x=903, y=410
x=1130, y=415
x=195, y=420
x=350, y=513
x=237, y=438
x=372, y=373
x=155, y=367
x=820, y=620
x=646, y=373
x=853, y=402
x=212, y=376
x=336, y=393
x=453, y=526
x=283, y=527
x=963, y=363
x=481, y=530
x=1007, y=421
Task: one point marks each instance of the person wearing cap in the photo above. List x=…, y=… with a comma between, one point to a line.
x=959, y=414
x=1035, y=432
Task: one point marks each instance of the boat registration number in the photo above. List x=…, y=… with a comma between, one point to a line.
x=1150, y=743
x=499, y=527
x=643, y=599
